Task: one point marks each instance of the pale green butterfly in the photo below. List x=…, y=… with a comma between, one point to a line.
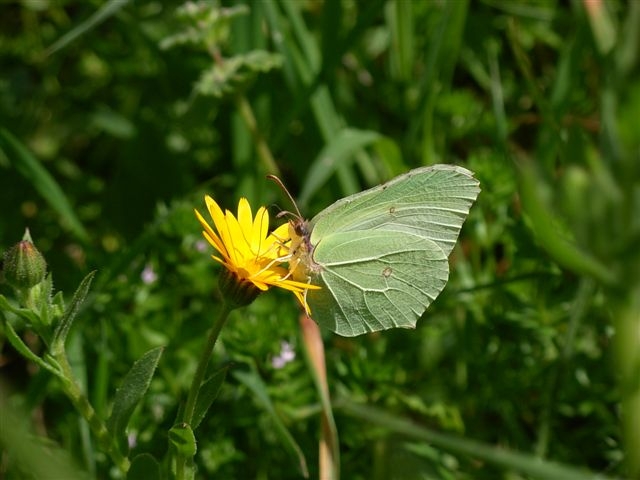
x=381, y=256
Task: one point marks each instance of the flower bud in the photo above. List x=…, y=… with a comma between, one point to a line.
x=24, y=266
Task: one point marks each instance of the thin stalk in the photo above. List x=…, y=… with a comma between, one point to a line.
x=82, y=405
x=198, y=378
x=626, y=312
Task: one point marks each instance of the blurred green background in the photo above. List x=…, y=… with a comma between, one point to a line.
x=116, y=117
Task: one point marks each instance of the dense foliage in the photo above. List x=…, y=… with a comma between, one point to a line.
x=117, y=117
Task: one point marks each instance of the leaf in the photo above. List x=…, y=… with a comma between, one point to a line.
x=144, y=466
x=254, y=383
x=212, y=25
x=208, y=393
x=544, y=223
x=63, y=327
x=19, y=345
x=235, y=72
x=182, y=438
x=335, y=154
x=132, y=390
x=29, y=166
x=107, y=10
x=24, y=313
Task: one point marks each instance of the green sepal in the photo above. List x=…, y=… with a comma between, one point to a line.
x=207, y=395
x=183, y=440
x=132, y=390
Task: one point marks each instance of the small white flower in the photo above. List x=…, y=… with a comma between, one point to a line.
x=201, y=246
x=149, y=275
x=286, y=355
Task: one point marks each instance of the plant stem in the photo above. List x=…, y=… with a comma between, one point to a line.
x=627, y=349
x=82, y=405
x=198, y=378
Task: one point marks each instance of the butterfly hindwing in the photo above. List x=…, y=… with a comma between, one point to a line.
x=374, y=280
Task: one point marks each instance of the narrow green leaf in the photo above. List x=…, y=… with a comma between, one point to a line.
x=400, y=20
x=335, y=154
x=27, y=164
x=21, y=347
x=133, y=388
x=563, y=251
x=27, y=315
x=254, y=383
x=144, y=466
x=208, y=393
x=63, y=327
x=103, y=13
x=183, y=440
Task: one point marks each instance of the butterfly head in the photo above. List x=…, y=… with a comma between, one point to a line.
x=301, y=264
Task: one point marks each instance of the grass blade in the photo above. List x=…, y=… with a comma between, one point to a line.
x=107, y=10
x=29, y=166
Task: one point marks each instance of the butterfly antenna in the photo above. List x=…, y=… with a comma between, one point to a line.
x=284, y=189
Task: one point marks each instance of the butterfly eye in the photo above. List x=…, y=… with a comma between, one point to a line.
x=301, y=229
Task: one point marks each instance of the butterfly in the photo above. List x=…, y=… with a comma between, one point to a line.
x=381, y=256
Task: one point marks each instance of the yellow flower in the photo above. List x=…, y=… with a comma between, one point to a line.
x=249, y=251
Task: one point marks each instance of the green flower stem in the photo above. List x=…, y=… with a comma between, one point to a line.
x=82, y=405
x=198, y=378
x=627, y=349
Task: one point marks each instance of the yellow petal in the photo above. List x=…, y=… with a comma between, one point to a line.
x=237, y=240
x=244, y=215
x=221, y=225
x=205, y=225
x=216, y=243
x=259, y=230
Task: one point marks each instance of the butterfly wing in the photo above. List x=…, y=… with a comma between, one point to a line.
x=375, y=280
x=381, y=256
x=431, y=202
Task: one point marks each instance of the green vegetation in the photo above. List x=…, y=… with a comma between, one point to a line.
x=117, y=117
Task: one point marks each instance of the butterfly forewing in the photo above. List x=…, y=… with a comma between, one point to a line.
x=431, y=202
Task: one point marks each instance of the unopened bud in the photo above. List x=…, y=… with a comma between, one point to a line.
x=24, y=266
